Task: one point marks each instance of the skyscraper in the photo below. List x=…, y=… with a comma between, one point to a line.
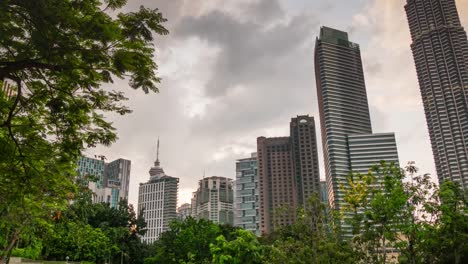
x=111, y=179
x=440, y=51
x=214, y=200
x=158, y=199
x=246, y=194
x=348, y=142
x=288, y=173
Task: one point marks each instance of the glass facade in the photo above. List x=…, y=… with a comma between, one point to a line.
x=246, y=195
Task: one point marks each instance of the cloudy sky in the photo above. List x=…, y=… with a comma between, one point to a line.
x=234, y=70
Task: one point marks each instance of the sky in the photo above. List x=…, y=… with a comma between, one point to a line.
x=234, y=70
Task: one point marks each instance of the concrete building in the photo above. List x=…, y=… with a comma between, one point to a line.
x=288, y=173
x=246, y=194
x=440, y=51
x=108, y=181
x=158, y=200
x=348, y=142
x=214, y=200
x=184, y=211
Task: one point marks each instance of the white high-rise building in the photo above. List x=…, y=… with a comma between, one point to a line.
x=214, y=200
x=158, y=200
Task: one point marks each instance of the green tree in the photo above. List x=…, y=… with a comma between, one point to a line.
x=58, y=54
x=310, y=239
x=447, y=239
x=80, y=242
x=189, y=241
x=376, y=201
x=244, y=249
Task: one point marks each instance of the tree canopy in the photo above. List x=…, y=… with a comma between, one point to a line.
x=57, y=55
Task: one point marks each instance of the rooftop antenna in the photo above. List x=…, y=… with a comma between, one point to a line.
x=203, y=173
x=157, y=154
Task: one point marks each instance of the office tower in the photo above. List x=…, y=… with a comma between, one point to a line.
x=158, y=200
x=348, y=142
x=117, y=176
x=305, y=157
x=246, y=194
x=440, y=51
x=108, y=181
x=184, y=211
x=288, y=173
x=214, y=200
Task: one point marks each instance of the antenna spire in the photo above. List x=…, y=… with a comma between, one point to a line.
x=157, y=153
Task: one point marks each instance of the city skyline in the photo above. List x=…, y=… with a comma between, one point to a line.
x=225, y=123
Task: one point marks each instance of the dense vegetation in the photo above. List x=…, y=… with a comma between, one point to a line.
x=391, y=220
x=58, y=54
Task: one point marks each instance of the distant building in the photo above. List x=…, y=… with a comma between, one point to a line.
x=348, y=142
x=214, y=200
x=158, y=200
x=8, y=89
x=288, y=173
x=246, y=194
x=184, y=211
x=440, y=51
x=108, y=181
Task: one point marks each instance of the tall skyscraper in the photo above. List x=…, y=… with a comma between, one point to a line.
x=158, y=199
x=111, y=180
x=246, y=194
x=288, y=173
x=440, y=51
x=214, y=200
x=348, y=142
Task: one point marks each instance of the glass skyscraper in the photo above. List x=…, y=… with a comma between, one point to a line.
x=246, y=196
x=111, y=180
x=440, y=51
x=348, y=142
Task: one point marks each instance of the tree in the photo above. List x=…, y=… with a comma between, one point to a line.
x=244, y=249
x=376, y=201
x=58, y=54
x=309, y=239
x=189, y=241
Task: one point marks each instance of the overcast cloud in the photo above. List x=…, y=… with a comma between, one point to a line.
x=234, y=70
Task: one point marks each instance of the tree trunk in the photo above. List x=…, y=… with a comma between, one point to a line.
x=6, y=258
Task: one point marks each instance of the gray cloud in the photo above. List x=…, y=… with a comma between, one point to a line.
x=234, y=70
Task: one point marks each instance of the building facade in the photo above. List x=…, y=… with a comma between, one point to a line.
x=288, y=173
x=348, y=142
x=440, y=51
x=214, y=200
x=157, y=198
x=246, y=194
x=184, y=211
x=107, y=181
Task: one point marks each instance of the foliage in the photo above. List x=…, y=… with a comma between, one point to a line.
x=309, y=239
x=189, y=241
x=376, y=201
x=244, y=249
x=58, y=54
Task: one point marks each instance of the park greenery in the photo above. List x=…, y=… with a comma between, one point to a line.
x=395, y=215
x=62, y=57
